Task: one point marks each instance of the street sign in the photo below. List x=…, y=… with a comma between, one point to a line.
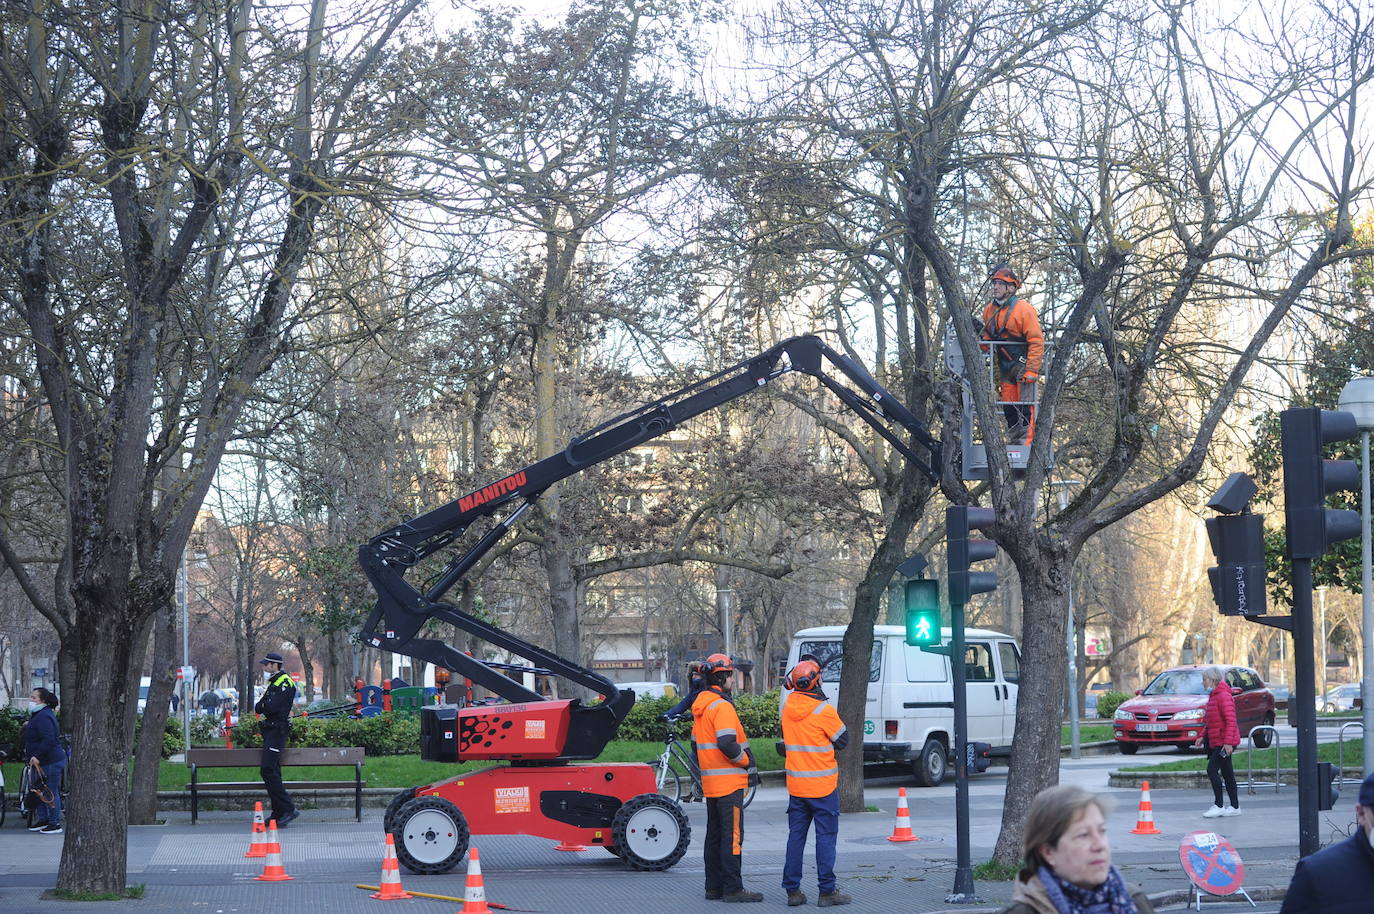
x=186, y=672
x=1211, y=862
x=40, y=671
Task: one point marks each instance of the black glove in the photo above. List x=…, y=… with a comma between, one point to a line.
x=665, y=717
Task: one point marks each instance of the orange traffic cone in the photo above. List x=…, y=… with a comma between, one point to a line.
x=1145, y=821
x=475, y=896
x=258, y=846
x=902, y=830
x=568, y=846
x=390, y=889
x=272, y=870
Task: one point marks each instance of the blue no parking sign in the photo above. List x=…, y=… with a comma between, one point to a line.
x=1211, y=862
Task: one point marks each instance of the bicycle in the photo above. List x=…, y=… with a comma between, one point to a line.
x=678, y=763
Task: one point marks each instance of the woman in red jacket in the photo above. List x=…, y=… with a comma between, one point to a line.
x=1221, y=739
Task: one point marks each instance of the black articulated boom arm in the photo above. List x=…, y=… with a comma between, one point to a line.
x=401, y=609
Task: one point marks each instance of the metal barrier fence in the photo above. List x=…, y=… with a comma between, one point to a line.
x=1277, y=740
x=1340, y=753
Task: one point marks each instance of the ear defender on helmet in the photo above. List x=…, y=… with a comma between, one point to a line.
x=718, y=663
x=804, y=676
x=1005, y=273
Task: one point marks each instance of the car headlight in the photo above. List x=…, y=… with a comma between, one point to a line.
x=1195, y=714
x=1122, y=714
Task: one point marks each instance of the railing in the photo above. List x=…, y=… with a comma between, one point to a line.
x=1250, y=782
x=1340, y=753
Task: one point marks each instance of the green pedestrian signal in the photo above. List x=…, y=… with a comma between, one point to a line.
x=922, y=612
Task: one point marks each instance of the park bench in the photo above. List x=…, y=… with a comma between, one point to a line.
x=196, y=759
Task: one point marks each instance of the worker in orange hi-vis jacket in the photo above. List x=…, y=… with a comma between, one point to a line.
x=811, y=732
x=726, y=764
x=1012, y=322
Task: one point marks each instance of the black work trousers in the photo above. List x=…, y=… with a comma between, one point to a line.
x=724, y=849
x=273, y=742
x=1220, y=771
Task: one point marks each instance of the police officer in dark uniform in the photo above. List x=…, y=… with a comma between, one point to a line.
x=275, y=708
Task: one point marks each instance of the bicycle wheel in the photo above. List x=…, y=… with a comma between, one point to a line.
x=667, y=778
x=749, y=792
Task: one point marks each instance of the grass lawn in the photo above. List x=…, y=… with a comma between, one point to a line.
x=410, y=771
x=1092, y=733
x=1264, y=758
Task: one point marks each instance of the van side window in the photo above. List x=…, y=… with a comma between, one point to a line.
x=831, y=657
x=923, y=666
x=1011, y=661
x=977, y=663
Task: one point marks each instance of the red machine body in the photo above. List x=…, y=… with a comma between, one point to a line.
x=570, y=803
x=520, y=731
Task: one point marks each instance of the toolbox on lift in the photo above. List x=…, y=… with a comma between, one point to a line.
x=439, y=733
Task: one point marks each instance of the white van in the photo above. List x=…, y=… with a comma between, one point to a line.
x=910, y=711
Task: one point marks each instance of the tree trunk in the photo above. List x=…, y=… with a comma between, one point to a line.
x=858, y=647
x=103, y=639
x=1035, y=746
x=148, y=753
x=307, y=669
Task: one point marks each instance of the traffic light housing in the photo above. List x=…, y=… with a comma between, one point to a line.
x=1237, y=579
x=964, y=550
x=922, y=606
x=1308, y=479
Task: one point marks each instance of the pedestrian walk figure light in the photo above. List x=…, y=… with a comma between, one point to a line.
x=1237, y=539
x=962, y=550
x=1308, y=480
x=922, y=606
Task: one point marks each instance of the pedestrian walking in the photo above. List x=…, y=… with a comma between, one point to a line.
x=1067, y=867
x=726, y=764
x=1012, y=322
x=1338, y=879
x=43, y=746
x=811, y=732
x=1220, y=739
x=275, y=708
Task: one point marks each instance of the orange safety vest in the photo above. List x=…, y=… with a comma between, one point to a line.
x=1017, y=325
x=714, y=716
x=809, y=730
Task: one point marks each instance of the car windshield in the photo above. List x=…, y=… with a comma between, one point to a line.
x=1176, y=682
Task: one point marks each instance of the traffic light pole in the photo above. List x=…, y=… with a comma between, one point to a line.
x=963, y=868
x=1305, y=718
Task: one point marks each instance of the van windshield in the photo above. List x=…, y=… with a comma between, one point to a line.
x=831, y=657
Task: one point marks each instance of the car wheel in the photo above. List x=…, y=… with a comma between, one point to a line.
x=1263, y=739
x=1128, y=748
x=1328, y=708
x=932, y=764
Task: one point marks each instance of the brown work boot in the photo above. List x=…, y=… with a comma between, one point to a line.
x=832, y=899
x=795, y=898
x=713, y=894
x=742, y=895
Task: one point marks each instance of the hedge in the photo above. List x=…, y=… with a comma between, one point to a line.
x=758, y=714
x=1108, y=702
x=385, y=734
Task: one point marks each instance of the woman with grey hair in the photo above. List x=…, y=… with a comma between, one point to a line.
x=1068, y=860
x=1220, y=738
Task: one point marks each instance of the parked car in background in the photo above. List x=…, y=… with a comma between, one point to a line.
x=1339, y=698
x=1090, y=697
x=1172, y=709
x=1280, y=692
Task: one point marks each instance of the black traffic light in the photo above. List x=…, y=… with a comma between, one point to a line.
x=922, y=612
x=963, y=550
x=1238, y=577
x=1308, y=479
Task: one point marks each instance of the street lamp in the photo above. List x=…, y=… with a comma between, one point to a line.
x=1357, y=398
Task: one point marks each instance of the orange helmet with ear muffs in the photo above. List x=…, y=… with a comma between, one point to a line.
x=1004, y=273
x=718, y=663
x=805, y=676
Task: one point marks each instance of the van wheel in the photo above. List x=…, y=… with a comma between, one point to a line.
x=932, y=764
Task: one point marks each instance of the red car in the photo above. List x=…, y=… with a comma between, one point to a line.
x=1172, y=709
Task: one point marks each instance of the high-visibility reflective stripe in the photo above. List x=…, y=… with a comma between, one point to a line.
x=701, y=746
x=813, y=774
x=791, y=748
x=735, y=848
x=843, y=731
x=718, y=772
x=819, y=708
x=727, y=731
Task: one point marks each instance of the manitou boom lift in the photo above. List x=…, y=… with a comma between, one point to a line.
x=542, y=792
